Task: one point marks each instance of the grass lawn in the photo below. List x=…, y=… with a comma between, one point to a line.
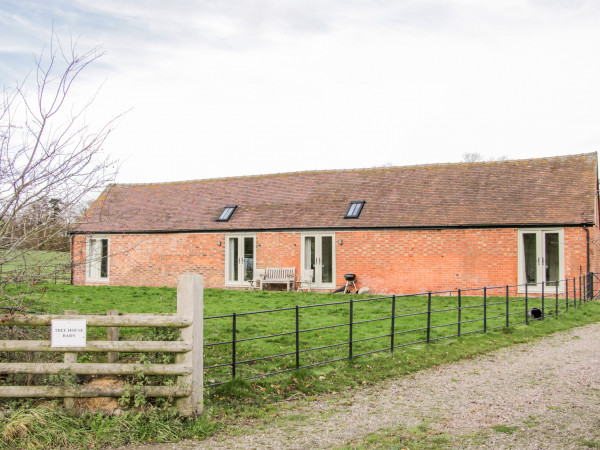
x=34, y=258
x=257, y=398
x=324, y=330
x=40, y=263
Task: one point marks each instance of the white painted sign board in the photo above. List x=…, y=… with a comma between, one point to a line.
x=68, y=333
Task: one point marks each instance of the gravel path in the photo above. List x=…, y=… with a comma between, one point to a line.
x=547, y=392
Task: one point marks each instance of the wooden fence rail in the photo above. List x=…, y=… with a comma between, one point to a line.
x=188, y=365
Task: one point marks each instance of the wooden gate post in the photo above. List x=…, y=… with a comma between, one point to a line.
x=69, y=357
x=190, y=305
x=112, y=334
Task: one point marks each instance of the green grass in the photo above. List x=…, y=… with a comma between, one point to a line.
x=411, y=314
x=38, y=263
x=414, y=438
x=33, y=258
x=258, y=399
x=47, y=426
x=505, y=429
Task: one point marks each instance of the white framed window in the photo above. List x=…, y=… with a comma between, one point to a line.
x=541, y=259
x=240, y=259
x=97, y=259
x=318, y=254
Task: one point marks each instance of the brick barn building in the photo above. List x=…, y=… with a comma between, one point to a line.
x=399, y=229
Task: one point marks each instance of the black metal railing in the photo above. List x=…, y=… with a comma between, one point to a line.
x=265, y=345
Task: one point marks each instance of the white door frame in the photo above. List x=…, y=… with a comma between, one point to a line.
x=241, y=269
x=540, y=260
x=318, y=235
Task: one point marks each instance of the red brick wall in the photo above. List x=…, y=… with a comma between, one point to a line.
x=158, y=259
x=387, y=261
x=418, y=261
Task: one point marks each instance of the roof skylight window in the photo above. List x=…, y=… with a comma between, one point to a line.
x=354, y=210
x=226, y=214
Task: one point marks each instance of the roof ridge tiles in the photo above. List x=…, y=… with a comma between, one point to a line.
x=358, y=169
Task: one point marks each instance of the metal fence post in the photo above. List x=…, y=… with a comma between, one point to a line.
x=351, y=323
x=393, y=324
x=485, y=309
x=428, y=316
x=233, y=345
x=556, y=301
x=297, y=337
x=566, y=294
x=459, y=310
x=190, y=305
x=526, y=306
x=507, y=308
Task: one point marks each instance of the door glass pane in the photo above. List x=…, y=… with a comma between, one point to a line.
x=327, y=259
x=93, y=258
x=104, y=259
x=248, y=258
x=232, y=270
x=530, y=250
x=551, y=246
x=309, y=254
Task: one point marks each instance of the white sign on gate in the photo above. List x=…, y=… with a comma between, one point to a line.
x=68, y=333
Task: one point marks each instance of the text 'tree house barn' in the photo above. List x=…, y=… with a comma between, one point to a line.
x=399, y=229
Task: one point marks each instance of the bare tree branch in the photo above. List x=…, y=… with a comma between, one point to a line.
x=50, y=159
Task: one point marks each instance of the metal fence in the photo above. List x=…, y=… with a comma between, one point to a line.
x=269, y=342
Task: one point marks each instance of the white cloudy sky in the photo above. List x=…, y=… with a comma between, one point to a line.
x=237, y=87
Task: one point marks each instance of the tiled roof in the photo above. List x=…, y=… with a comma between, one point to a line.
x=555, y=190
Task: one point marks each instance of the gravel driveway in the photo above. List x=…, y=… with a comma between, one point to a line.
x=529, y=396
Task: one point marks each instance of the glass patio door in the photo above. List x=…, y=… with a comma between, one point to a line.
x=541, y=258
x=318, y=254
x=239, y=260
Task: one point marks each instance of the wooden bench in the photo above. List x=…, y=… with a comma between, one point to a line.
x=278, y=275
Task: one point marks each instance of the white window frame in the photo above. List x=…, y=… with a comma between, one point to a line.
x=241, y=236
x=522, y=278
x=93, y=269
x=318, y=235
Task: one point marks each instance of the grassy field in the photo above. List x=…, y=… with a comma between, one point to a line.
x=240, y=399
x=324, y=331
x=44, y=264
x=33, y=258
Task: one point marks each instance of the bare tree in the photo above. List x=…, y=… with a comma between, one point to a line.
x=50, y=160
x=472, y=157
x=476, y=157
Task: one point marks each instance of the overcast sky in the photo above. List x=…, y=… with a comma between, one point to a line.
x=239, y=87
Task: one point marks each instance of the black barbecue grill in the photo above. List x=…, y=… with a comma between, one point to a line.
x=350, y=281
